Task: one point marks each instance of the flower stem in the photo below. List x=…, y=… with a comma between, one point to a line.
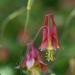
x=27, y=20
x=38, y=32
x=29, y=5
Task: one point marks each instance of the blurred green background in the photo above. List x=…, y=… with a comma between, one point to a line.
x=12, y=21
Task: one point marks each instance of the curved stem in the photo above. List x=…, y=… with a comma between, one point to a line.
x=11, y=17
x=15, y=14
x=38, y=32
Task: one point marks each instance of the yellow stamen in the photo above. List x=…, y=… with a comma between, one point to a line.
x=35, y=71
x=50, y=55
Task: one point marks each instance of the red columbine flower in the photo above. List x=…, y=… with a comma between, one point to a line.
x=46, y=41
x=33, y=59
x=50, y=39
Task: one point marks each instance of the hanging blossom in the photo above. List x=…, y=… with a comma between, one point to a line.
x=33, y=61
x=50, y=41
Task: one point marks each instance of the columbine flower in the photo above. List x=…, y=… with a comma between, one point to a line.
x=50, y=39
x=33, y=59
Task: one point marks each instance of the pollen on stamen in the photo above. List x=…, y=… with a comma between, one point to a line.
x=50, y=55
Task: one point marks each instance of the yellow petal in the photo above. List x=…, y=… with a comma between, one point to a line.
x=50, y=47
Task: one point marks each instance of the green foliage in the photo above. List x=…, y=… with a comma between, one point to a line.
x=13, y=16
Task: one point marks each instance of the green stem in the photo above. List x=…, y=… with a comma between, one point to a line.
x=29, y=5
x=38, y=33
x=27, y=20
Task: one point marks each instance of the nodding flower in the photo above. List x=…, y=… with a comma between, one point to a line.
x=50, y=40
x=33, y=59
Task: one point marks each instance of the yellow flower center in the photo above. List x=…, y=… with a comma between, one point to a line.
x=50, y=55
x=35, y=70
